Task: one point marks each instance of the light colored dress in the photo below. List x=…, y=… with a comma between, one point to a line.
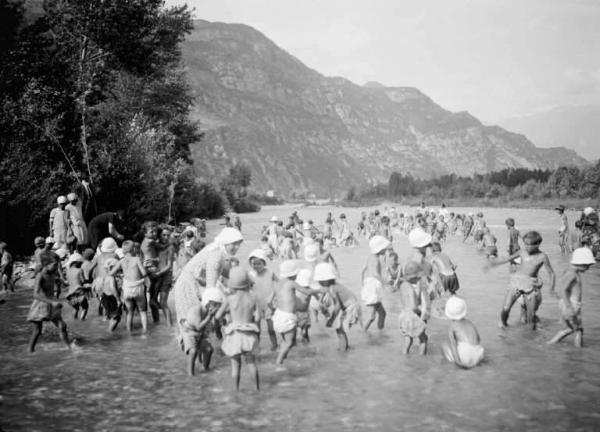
x=60, y=225
x=78, y=225
x=200, y=272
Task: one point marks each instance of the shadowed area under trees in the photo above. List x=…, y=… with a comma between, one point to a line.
x=93, y=93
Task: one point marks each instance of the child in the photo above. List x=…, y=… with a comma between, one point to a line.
x=150, y=248
x=513, y=241
x=464, y=348
x=441, y=228
x=393, y=270
x=489, y=243
x=241, y=334
x=577, y=236
x=287, y=250
x=6, y=269
x=303, y=279
x=570, y=296
x=263, y=285
x=237, y=223
x=525, y=282
x=78, y=294
x=86, y=266
x=266, y=247
x=164, y=275
x=110, y=299
x=134, y=288
x=372, y=281
x=45, y=307
x=563, y=230
x=444, y=270
x=194, y=329
x=414, y=308
x=39, y=244
x=285, y=320
x=345, y=304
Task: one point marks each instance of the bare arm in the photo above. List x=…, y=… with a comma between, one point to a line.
x=222, y=310
x=116, y=268
x=551, y=274
x=141, y=267
x=500, y=261
x=113, y=231
x=565, y=292
x=38, y=292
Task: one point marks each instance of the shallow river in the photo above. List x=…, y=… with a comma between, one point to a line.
x=139, y=383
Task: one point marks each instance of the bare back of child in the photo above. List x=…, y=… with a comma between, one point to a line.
x=134, y=289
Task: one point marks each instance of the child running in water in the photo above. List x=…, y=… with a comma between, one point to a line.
x=346, y=309
x=372, y=281
x=489, y=244
x=134, y=288
x=45, y=307
x=414, y=308
x=464, y=348
x=570, y=296
x=526, y=282
x=263, y=285
x=303, y=279
x=443, y=270
x=513, y=241
x=241, y=334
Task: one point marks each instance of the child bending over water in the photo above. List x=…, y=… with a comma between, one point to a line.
x=464, y=348
x=414, y=308
x=570, y=296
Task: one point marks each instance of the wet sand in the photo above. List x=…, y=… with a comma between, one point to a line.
x=133, y=382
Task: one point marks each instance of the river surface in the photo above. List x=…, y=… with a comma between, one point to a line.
x=122, y=382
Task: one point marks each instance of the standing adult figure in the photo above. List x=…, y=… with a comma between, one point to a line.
x=60, y=222
x=77, y=222
x=104, y=225
x=203, y=271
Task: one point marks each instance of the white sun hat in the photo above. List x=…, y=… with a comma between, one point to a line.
x=229, y=235
x=378, y=243
x=212, y=294
x=108, y=245
x=456, y=308
x=303, y=278
x=588, y=211
x=274, y=219
x=582, y=256
x=311, y=252
x=419, y=238
x=288, y=268
x=72, y=196
x=61, y=199
x=258, y=253
x=324, y=272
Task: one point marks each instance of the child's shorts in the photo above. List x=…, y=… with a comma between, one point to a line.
x=449, y=282
x=303, y=319
x=111, y=307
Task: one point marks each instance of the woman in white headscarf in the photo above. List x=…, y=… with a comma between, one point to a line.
x=77, y=222
x=204, y=269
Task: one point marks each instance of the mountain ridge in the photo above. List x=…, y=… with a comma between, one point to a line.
x=304, y=132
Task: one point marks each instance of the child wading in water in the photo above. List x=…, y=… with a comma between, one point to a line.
x=194, y=329
x=78, y=294
x=513, y=241
x=241, y=334
x=444, y=270
x=414, y=308
x=134, y=288
x=45, y=307
x=464, y=348
x=110, y=299
x=346, y=309
x=372, y=281
x=570, y=296
x=263, y=285
x=525, y=282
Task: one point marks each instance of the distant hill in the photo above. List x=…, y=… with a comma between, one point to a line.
x=576, y=128
x=302, y=131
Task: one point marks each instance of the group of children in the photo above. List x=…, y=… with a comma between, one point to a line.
x=137, y=276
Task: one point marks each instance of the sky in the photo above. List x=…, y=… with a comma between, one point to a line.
x=494, y=58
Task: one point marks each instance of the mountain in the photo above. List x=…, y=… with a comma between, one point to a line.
x=301, y=131
x=576, y=127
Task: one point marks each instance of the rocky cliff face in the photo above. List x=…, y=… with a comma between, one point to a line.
x=302, y=131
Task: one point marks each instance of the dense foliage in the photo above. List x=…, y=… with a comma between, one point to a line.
x=508, y=184
x=93, y=99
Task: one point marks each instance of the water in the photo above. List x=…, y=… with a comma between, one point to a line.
x=138, y=383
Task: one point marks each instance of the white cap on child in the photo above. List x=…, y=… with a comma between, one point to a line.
x=324, y=272
x=311, y=252
x=583, y=256
x=288, y=268
x=378, y=243
x=212, y=294
x=419, y=238
x=258, y=253
x=456, y=308
x=304, y=277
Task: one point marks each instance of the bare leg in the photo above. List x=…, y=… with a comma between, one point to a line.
x=561, y=335
x=164, y=296
x=381, y=316
x=36, y=331
x=579, y=338
x=154, y=305
x=236, y=365
x=423, y=343
x=62, y=331
x=272, y=334
x=192, y=361
x=113, y=323
x=289, y=340
x=407, y=344
x=84, y=309
x=532, y=305
x=207, y=351
x=372, y=311
x=251, y=362
x=342, y=339
x=509, y=301
x=144, y=319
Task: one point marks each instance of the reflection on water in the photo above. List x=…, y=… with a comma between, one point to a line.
x=131, y=383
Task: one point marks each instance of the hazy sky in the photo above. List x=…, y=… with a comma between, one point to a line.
x=494, y=58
